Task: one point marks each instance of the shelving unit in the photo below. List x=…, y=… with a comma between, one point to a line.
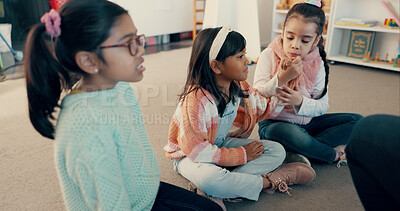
x=278, y=16
x=385, y=41
x=198, y=11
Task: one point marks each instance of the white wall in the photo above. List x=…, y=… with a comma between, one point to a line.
x=241, y=15
x=265, y=20
x=157, y=17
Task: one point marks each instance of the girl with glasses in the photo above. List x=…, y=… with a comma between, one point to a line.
x=103, y=156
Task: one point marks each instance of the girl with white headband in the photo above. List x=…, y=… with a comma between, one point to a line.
x=294, y=69
x=217, y=111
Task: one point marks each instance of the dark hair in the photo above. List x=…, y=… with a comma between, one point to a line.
x=200, y=75
x=50, y=65
x=316, y=15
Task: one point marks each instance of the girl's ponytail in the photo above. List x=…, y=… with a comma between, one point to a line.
x=44, y=79
x=322, y=53
x=50, y=66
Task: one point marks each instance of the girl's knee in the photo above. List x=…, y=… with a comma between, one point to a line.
x=291, y=135
x=277, y=130
x=288, y=129
x=357, y=117
x=210, y=177
x=262, y=129
x=275, y=149
x=214, y=184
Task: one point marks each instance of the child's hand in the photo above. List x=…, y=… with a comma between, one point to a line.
x=253, y=150
x=289, y=69
x=289, y=96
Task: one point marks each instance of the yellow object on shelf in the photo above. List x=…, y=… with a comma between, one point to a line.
x=252, y=61
x=287, y=4
x=390, y=27
x=342, y=23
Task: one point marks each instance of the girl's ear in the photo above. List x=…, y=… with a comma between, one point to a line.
x=316, y=41
x=216, y=66
x=87, y=61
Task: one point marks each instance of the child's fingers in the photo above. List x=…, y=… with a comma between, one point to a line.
x=296, y=60
x=288, y=62
x=260, y=146
x=253, y=150
x=255, y=144
x=283, y=104
x=287, y=90
x=282, y=95
x=282, y=98
x=284, y=90
x=280, y=89
x=283, y=63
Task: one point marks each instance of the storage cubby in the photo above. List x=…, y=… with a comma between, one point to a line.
x=386, y=40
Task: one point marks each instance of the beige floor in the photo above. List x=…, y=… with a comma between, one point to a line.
x=28, y=179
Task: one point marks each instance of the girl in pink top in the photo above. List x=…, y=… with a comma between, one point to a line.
x=294, y=69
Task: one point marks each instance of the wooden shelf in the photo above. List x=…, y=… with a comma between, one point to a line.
x=282, y=11
x=342, y=58
x=277, y=31
x=373, y=28
x=197, y=11
x=386, y=40
x=286, y=11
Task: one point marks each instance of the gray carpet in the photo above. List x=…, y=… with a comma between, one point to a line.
x=28, y=180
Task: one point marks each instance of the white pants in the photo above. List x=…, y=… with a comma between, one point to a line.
x=244, y=181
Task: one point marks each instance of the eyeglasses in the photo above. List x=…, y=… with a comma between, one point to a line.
x=132, y=46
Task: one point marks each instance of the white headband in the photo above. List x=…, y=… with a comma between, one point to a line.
x=219, y=41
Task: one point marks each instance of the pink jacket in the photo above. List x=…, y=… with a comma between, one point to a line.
x=194, y=126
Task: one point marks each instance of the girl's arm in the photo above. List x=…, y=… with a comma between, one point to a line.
x=262, y=76
x=193, y=130
x=256, y=108
x=315, y=107
x=265, y=107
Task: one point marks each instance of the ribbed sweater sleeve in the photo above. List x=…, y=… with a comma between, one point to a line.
x=256, y=108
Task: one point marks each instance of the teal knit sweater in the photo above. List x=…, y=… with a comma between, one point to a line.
x=103, y=156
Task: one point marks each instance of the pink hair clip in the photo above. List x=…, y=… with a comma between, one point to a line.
x=314, y=2
x=52, y=21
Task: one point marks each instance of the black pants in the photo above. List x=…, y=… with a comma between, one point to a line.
x=171, y=197
x=373, y=154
